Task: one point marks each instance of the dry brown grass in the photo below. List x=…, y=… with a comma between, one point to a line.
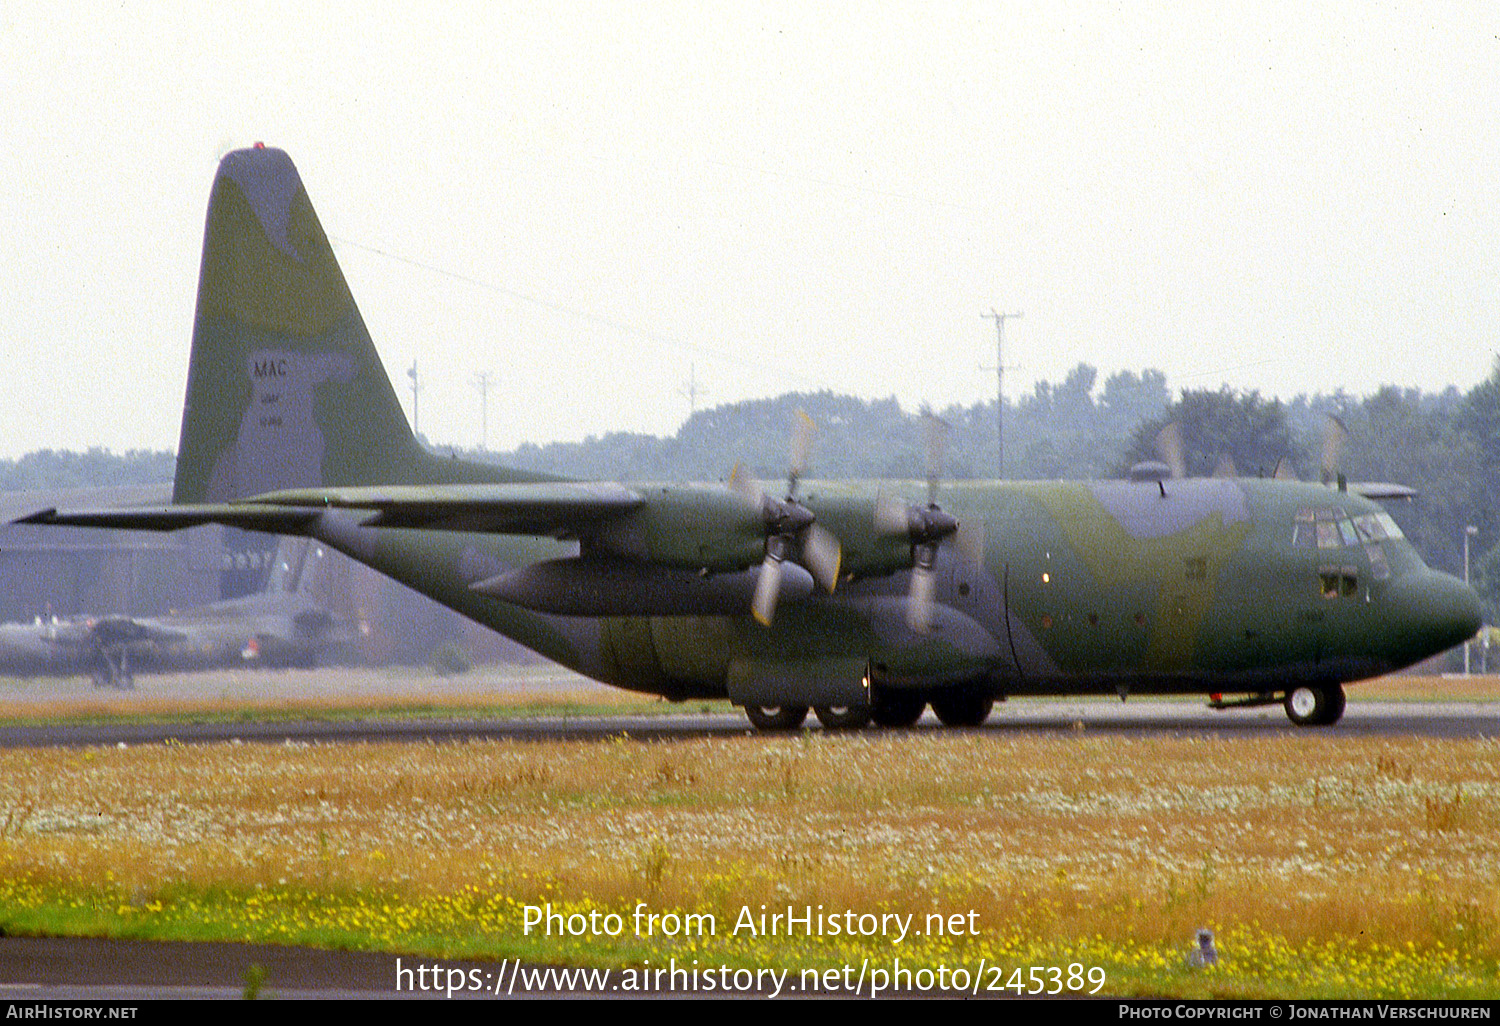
x=1437, y=689
x=1129, y=840
x=1330, y=864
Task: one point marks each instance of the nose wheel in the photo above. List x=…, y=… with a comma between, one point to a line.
x=1315, y=706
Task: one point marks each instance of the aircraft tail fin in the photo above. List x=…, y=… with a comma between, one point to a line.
x=285, y=387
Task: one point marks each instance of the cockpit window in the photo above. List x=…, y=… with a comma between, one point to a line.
x=1347, y=532
x=1304, y=534
x=1333, y=529
x=1369, y=526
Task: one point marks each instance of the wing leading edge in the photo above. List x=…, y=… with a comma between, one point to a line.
x=540, y=509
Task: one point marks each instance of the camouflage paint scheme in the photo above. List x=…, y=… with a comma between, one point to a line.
x=291, y=424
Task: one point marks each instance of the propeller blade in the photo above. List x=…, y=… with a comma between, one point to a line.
x=746, y=487
x=1169, y=447
x=767, y=590
x=970, y=541
x=803, y=430
x=920, y=599
x=1335, y=434
x=822, y=555
x=935, y=429
x=890, y=515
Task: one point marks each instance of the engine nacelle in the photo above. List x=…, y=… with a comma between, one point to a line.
x=604, y=586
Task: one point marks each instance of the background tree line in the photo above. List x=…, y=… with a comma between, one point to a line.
x=1445, y=445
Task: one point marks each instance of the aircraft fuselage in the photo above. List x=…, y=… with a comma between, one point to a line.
x=1199, y=585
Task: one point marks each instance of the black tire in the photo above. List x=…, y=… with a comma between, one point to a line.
x=776, y=717
x=1315, y=706
x=895, y=709
x=843, y=717
x=963, y=710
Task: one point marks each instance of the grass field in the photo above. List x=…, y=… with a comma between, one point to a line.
x=1327, y=865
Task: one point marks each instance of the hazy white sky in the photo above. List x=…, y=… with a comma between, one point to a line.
x=586, y=199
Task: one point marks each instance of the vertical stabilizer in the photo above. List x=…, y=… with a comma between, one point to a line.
x=285, y=388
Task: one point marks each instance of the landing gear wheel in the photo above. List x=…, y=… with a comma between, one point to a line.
x=776, y=717
x=897, y=709
x=963, y=710
x=843, y=717
x=1310, y=706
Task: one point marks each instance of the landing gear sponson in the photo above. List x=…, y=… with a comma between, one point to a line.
x=1310, y=705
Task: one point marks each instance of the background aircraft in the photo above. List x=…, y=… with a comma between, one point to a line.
x=278, y=627
x=847, y=598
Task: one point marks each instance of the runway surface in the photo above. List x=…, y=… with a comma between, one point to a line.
x=90, y=969
x=1425, y=719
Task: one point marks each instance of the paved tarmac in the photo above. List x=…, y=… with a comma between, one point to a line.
x=91, y=969
x=1139, y=716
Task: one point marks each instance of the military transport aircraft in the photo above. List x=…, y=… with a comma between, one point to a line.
x=844, y=597
x=279, y=627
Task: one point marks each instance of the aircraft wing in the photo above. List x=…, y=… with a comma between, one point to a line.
x=552, y=508
x=122, y=630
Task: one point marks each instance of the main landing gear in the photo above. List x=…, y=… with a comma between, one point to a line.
x=776, y=717
x=1315, y=705
x=891, y=708
x=112, y=670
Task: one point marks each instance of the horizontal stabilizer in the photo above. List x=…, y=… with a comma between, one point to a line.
x=269, y=519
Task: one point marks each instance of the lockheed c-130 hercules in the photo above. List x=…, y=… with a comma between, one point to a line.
x=840, y=597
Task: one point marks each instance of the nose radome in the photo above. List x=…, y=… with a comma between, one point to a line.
x=1433, y=612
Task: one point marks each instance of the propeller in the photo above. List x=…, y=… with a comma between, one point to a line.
x=792, y=530
x=1335, y=434
x=1330, y=470
x=1171, y=450
x=926, y=527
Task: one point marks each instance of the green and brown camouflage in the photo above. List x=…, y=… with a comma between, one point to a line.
x=1266, y=589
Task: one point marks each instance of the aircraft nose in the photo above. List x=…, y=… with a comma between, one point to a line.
x=1432, y=612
